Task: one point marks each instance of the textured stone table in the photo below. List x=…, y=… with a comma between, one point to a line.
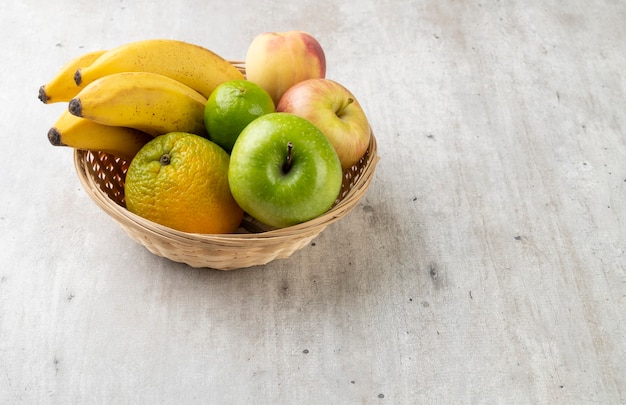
x=486, y=264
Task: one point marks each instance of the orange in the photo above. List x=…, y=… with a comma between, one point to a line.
x=180, y=180
x=231, y=107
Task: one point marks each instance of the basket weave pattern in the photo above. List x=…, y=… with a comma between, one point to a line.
x=102, y=175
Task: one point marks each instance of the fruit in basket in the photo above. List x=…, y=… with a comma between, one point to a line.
x=180, y=180
x=193, y=65
x=335, y=111
x=283, y=170
x=62, y=86
x=145, y=101
x=278, y=60
x=81, y=133
x=231, y=107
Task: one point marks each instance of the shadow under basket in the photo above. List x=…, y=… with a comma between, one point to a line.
x=102, y=175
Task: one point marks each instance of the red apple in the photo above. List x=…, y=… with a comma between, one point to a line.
x=335, y=111
x=278, y=60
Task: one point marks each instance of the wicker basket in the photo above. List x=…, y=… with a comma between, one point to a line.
x=102, y=176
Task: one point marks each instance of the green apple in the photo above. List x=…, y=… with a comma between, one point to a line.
x=283, y=171
x=335, y=111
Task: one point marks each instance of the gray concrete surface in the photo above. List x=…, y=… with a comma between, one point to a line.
x=485, y=265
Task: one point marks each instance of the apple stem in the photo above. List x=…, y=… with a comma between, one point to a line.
x=289, y=158
x=343, y=107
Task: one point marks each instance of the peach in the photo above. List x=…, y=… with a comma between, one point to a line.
x=278, y=60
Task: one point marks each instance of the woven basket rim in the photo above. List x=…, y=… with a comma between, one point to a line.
x=125, y=217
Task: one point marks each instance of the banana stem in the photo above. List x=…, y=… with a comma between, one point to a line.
x=42, y=95
x=75, y=107
x=78, y=79
x=55, y=137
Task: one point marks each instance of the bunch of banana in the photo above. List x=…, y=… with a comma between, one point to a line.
x=119, y=99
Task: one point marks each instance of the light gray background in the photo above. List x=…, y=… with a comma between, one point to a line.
x=485, y=264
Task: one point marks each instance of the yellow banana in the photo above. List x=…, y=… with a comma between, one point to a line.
x=145, y=101
x=62, y=87
x=193, y=65
x=81, y=133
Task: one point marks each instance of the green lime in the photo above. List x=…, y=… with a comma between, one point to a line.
x=231, y=107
